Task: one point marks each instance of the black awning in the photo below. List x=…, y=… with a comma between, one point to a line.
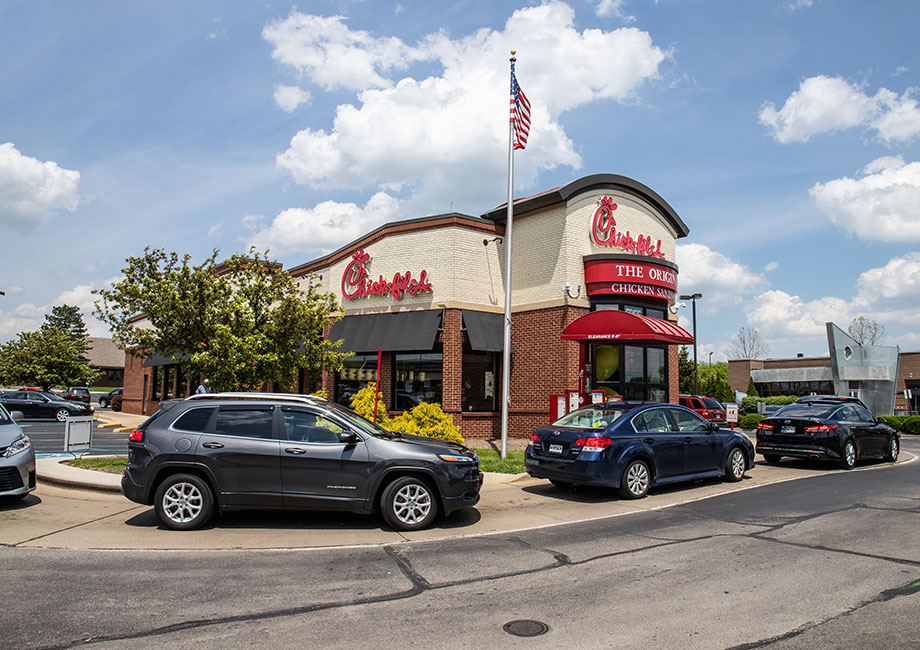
x=158, y=359
x=486, y=330
x=403, y=331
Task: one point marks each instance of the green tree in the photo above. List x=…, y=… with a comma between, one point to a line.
x=69, y=319
x=684, y=371
x=714, y=382
x=866, y=332
x=752, y=389
x=243, y=322
x=47, y=357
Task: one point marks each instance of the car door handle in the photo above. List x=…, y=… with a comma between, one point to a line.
x=295, y=450
x=688, y=439
x=648, y=441
x=213, y=445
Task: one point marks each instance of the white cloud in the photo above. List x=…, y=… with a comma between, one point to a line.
x=444, y=137
x=882, y=205
x=614, y=8
x=289, y=98
x=721, y=280
x=824, y=104
x=28, y=317
x=31, y=190
x=770, y=267
x=889, y=294
x=213, y=230
x=325, y=227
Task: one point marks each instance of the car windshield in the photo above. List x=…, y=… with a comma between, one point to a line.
x=710, y=403
x=592, y=417
x=362, y=423
x=4, y=416
x=807, y=410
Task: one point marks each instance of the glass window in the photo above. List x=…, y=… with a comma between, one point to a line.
x=630, y=371
x=155, y=383
x=589, y=418
x=194, y=420
x=4, y=418
x=419, y=378
x=304, y=426
x=689, y=421
x=357, y=372
x=848, y=414
x=653, y=420
x=245, y=423
x=479, y=377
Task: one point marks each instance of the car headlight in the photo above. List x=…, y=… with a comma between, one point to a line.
x=18, y=447
x=453, y=458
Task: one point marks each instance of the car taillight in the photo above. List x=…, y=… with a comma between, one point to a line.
x=820, y=428
x=764, y=427
x=136, y=436
x=593, y=444
x=534, y=438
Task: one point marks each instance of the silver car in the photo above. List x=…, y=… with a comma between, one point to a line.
x=17, y=458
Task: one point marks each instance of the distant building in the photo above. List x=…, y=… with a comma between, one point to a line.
x=879, y=375
x=106, y=357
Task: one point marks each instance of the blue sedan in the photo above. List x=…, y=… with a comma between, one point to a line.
x=633, y=446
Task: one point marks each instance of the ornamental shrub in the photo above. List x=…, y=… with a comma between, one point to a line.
x=321, y=393
x=749, y=421
x=362, y=403
x=911, y=425
x=896, y=422
x=427, y=420
x=752, y=389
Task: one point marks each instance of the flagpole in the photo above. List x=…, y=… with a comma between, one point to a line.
x=506, y=347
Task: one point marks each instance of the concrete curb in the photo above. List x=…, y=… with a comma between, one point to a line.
x=55, y=472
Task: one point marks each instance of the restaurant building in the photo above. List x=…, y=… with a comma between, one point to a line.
x=593, y=290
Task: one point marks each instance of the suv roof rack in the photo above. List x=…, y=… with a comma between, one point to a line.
x=291, y=397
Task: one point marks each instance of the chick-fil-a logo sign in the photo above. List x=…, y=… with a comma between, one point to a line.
x=356, y=282
x=604, y=232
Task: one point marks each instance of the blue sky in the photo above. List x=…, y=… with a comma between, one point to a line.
x=783, y=132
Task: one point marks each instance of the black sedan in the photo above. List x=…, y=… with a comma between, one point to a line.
x=635, y=445
x=37, y=404
x=826, y=430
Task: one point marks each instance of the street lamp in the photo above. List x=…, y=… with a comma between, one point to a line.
x=696, y=380
x=710, y=375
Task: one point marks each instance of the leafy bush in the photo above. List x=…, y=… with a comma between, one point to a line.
x=427, y=420
x=911, y=425
x=749, y=421
x=896, y=422
x=749, y=403
x=362, y=403
x=320, y=393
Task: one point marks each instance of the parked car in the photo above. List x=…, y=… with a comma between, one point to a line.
x=830, y=398
x=80, y=393
x=844, y=432
x=36, y=404
x=220, y=451
x=706, y=407
x=633, y=446
x=105, y=400
x=17, y=458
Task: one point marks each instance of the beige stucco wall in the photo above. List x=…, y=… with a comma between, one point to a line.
x=548, y=248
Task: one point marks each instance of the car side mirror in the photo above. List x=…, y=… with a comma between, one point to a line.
x=348, y=437
x=16, y=415
x=713, y=427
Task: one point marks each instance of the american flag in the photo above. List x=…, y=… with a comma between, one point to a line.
x=520, y=113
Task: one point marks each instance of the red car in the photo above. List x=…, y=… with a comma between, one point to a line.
x=707, y=407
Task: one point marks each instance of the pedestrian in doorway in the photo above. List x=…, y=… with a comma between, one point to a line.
x=203, y=387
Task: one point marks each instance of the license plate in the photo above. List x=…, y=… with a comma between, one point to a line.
x=555, y=449
x=788, y=430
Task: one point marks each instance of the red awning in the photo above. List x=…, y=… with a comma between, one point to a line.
x=616, y=325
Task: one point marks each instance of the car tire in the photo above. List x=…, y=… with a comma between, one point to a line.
x=848, y=457
x=772, y=459
x=894, y=447
x=735, y=465
x=636, y=480
x=565, y=485
x=102, y=402
x=61, y=415
x=409, y=503
x=184, y=502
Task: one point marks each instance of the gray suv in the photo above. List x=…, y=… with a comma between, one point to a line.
x=228, y=451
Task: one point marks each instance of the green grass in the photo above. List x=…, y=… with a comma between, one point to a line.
x=110, y=465
x=490, y=461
